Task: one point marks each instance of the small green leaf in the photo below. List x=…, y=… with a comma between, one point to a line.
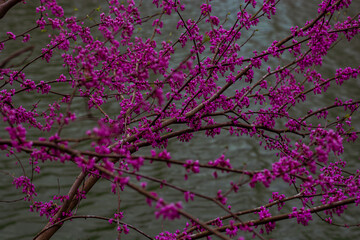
x=206, y=38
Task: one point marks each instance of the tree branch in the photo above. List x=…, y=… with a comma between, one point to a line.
x=277, y=218
x=6, y=6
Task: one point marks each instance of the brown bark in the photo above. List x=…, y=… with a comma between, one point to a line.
x=6, y=6
x=15, y=55
x=49, y=230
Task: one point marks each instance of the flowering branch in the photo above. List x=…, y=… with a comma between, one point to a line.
x=152, y=74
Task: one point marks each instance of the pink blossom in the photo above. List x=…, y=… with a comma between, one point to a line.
x=168, y=211
x=26, y=38
x=11, y=35
x=232, y=230
x=27, y=186
x=303, y=216
x=205, y=9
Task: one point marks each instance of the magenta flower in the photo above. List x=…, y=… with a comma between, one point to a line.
x=27, y=187
x=303, y=216
x=168, y=211
x=11, y=35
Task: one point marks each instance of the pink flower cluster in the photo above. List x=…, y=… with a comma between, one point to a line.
x=27, y=187
x=303, y=216
x=264, y=213
x=168, y=211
